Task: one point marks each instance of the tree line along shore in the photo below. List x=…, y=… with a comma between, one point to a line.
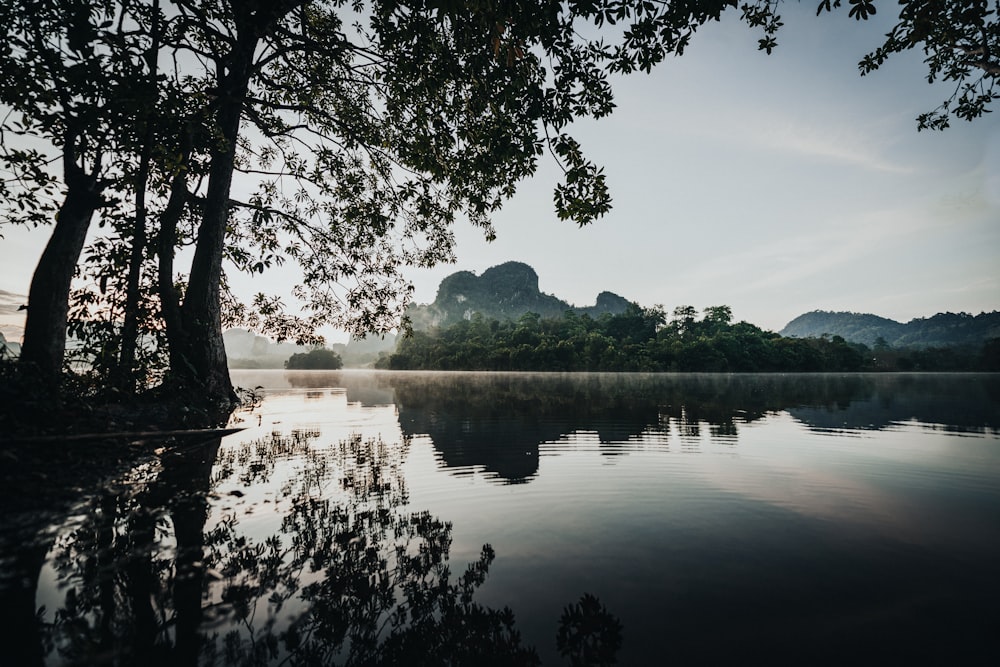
x=645, y=340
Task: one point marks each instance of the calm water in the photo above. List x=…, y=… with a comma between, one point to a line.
x=365, y=517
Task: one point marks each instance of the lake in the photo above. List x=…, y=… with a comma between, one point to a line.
x=416, y=518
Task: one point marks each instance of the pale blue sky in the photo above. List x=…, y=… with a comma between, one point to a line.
x=774, y=184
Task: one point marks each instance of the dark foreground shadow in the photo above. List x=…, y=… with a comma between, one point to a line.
x=169, y=566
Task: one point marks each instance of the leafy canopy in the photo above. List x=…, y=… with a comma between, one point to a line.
x=366, y=129
x=960, y=40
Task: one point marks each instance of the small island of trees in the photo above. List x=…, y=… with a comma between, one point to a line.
x=317, y=359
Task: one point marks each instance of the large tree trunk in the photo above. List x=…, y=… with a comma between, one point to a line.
x=198, y=355
x=126, y=378
x=48, y=298
x=202, y=353
x=170, y=300
x=125, y=373
x=204, y=361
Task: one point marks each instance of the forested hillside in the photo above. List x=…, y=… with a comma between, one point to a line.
x=941, y=330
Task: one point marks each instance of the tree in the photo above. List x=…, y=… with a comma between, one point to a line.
x=319, y=358
x=67, y=73
x=386, y=132
x=354, y=134
x=720, y=315
x=684, y=318
x=384, y=123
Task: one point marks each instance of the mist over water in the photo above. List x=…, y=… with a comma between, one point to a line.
x=715, y=518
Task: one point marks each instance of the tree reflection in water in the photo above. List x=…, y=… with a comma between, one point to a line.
x=497, y=421
x=134, y=567
x=348, y=576
x=588, y=633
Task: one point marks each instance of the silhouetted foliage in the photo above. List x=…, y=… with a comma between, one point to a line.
x=361, y=132
x=589, y=635
x=960, y=40
x=364, y=581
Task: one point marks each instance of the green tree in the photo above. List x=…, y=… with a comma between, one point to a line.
x=684, y=318
x=719, y=315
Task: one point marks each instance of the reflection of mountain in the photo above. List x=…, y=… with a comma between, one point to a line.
x=962, y=403
x=498, y=420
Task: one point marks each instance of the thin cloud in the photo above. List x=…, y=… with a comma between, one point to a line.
x=11, y=302
x=840, y=136
x=834, y=144
x=834, y=249
x=952, y=294
x=828, y=246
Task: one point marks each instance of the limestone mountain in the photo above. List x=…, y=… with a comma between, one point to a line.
x=506, y=291
x=246, y=349
x=941, y=330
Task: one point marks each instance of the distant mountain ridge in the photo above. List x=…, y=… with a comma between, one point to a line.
x=941, y=330
x=246, y=349
x=505, y=291
x=8, y=349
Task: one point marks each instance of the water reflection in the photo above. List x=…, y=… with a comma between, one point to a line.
x=497, y=421
x=720, y=518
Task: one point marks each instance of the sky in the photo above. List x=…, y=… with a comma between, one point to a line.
x=773, y=184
